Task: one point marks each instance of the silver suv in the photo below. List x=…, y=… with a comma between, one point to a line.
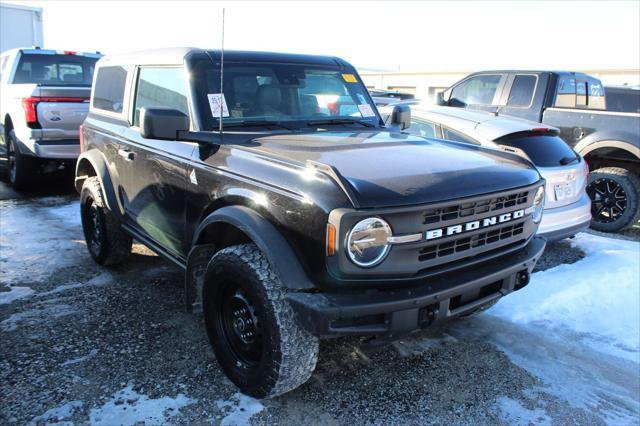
x=44, y=98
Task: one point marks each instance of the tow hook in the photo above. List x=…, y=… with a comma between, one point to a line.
x=522, y=279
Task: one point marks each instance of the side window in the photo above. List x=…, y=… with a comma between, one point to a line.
x=452, y=135
x=108, y=93
x=160, y=87
x=566, y=93
x=478, y=90
x=581, y=93
x=422, y=128
x=522, y=90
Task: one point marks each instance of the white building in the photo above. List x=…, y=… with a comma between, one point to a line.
x=20, y=26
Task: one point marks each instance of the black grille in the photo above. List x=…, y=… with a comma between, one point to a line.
x=457, y=211
x=462, y=244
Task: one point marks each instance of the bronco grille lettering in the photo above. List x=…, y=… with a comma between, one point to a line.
x=433, y=234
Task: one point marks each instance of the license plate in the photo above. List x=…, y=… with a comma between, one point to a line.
x=562, y=191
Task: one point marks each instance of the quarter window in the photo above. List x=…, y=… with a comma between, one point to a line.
x=452, y=135
x=108, y=93
x=478, y=90
x=522, y=90
x=160, y=87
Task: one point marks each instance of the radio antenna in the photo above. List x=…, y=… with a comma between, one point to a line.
x=222, y=101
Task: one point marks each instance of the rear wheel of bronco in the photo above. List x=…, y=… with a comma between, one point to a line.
x=251, y=326
x=107, y=242
x=615, y=197
x=22, y=169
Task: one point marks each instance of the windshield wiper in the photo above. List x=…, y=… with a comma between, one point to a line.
x=248, y=123
x=339, y=121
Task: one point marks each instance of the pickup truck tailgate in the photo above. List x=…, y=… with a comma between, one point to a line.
x=61, y=111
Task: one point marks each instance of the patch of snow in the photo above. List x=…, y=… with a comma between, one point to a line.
x=596, y=299
x=512, y=412
x=14, y=293
x=39, y=238
x=58, y=414
x=90, y=355
x=240, y=410
x=41, y=314
x=127, y=407
x=97, y=281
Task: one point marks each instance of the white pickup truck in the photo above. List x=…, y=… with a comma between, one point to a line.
x=44, y=98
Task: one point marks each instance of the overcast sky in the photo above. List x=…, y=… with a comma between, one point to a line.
x=381, y=35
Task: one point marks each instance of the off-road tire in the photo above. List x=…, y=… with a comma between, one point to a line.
x=111, y=245
x=288, y=353
x=630, y=184
x=22, y=170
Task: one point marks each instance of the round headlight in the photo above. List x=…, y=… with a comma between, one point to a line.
x=538, y=205
x=367, y=242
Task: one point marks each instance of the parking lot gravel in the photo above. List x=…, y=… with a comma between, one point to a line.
x=90, y=345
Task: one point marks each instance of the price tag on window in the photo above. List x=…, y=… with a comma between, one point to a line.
x=366, y=110
x=217, y=103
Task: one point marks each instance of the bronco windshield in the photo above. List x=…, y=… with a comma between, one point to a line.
x=280, y=94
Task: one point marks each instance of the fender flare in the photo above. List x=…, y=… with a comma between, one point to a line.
x=99, y=164
x=269, y=240
x=608, y=139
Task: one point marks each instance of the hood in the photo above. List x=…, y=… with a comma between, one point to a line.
x=385, y=169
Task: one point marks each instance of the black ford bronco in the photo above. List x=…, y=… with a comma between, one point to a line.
x=300, y=216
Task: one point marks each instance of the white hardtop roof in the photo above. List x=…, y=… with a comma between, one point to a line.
x=485, y=124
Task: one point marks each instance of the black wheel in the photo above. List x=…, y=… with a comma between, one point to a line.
x=107, y=243
x=614, y=194
x=251, y=326
x=22, y=169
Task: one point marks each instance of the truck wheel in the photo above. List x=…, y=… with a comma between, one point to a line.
x=251, y=326
x=614, y=193
x=22, y=169
x=107, y=242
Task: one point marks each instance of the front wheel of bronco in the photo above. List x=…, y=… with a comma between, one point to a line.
x=108, y=244
x=251, y=326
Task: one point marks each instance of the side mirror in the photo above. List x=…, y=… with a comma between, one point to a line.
x=401, y=117
x=162, y=123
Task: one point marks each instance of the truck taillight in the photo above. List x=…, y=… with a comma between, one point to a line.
x=81, y=137
x=29, y=105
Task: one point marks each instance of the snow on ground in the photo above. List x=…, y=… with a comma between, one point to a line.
x=512, y=412
x=88, y=356
x=14, y=293
x=127, y=407
x=58, y=415
x=596, y=299
x=38, y=238
x=46, y=309
x=239, y=410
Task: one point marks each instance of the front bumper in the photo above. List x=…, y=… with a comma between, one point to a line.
x=566, y=221
x=392, y=313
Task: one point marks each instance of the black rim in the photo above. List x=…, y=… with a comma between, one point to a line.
x=608, y=200
x=11, y=157
x=238, y=323
x=93, y=227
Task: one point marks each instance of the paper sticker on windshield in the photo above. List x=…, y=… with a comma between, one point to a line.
x=217, y=103
x=349, y=78
x=366, y=110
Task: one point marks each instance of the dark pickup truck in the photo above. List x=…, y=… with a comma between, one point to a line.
x=575, y=103
x=293, y=219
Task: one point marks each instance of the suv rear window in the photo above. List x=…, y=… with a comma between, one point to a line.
x=55, y=70
x=108, y=94
x=543, y=150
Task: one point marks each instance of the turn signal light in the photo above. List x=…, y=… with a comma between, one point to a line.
x=331, y=240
